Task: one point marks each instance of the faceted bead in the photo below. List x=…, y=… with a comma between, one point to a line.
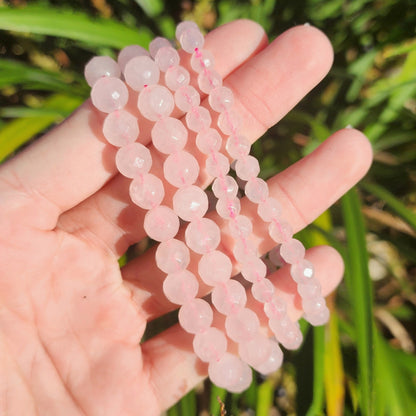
x=292, y=251
x=275, y=309
x=228, y=207
x=195, y=316
x=313, y=305
x=181, y=169
x=166, y=57
x=255, y=351
x=109, y=94
x=177, y=77
x=263, y=290
x=120, y=128
x=254, y=269
x=244, y=380
x=202, y=236
x=191, y=39
x=229, y=297
x=274, y=361
x=229, y=122
x=286, y=332
x=209, y=80
x=202, y=60
x=157, y=43
x=242, y=326
x=225, y=187
x=208, y=141
x=244, y=250
x=275, y=258
x=130, y=52
x=237, y=146
x=247, y=168
x=302, y=271
x=226, y=371
x=241, y=226
x=141, y=71
x=147, y=191
x=187, y=97
x=269, y=209
x=221, y=99
x=214, y=268
x=309, y=290
x=155, y=102
x=172, y=256
x=169, y=135
x=133, y=160
x=101, y=66
x=180, y=287
x=190, y=202
x=217, y=164
x=184, y=26
x=256, y=190
x=210, y=345
x=280, y=231
x=318, y=318
x=198, y=119
x=161, y=223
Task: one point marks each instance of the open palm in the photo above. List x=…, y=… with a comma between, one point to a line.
x=70, y=321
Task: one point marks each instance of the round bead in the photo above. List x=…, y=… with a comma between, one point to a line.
x=310, y=289
x=229, y=122
x=237, y=146
x=313, y=305
x=254, y=270
x=166, y=57
x=187, y=97
x=244, y=250
x=217, y=164
x=302, y=271
x=256, y=351
x=227, y=371
x=202, y=236
x=161, y=223
x=180, y=287
x=190, y=202
x=225, y=187
x=244, y=380
x=172, y=256
x=109, y=94
x=240, y=227
x=228, y=207
x=155, y=101
x=101, y=66
x=242, y=326
x=120, y=128
x=147, y=191
x=130, y=52
x=273, y=362
x=214, y=268
x=207, y=81
x=256, y=190
x=169, y=135
x=181, y=169
x=157, y=43
x=133, y=160
x=208, y=141
x=263, y=290
x=221, y=99
x=275, y=309
x=141, y=71
x=286, y=332
x=198, y=119
x=280, y=231
x=229, y=297
x=195, y=316
x=191, y=39
x=292, y=251
x=247, y=168
x=269, y=209
x=210, y=345
x=202, y=60
x=177, y=77
x=317, y=318
x=184, y=26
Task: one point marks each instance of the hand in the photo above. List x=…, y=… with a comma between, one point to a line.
x=70, y=321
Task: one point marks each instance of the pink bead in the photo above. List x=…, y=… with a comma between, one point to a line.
x=244, y=380
x=141, y=71
x=221, y=99
x=255, y=351
x=237, y=146
x=169, y=135
x=210, y=345
x=263, y=290
x=155, y=102
x=209, y=80
x=256, y=190
x=191, y=39
x=254, y=269
x=184, y=26
x=109, y=94
x=187, y=97
x=241, y=226
x=101, y=66
x=177, y=77
x=292, y=251
x=318, y=318
x=157, y=43
x=202, y=60
x=133, y=160
x=280, y=231
x=198, y=119
x=217, y=164
x=202, y=236
x=208, y=141
x=310, y=289
x=120, y=128
x=312, y=306
x=229, y=122
x=274, y=361
x=190, y=202
x=181, y=169
x=244, y=250
x=147, y=191
x=242, y=326
x=225, y=187
x=195, y=316
x=161, y=223
x=166, y=57
x=286, y=332
x=302, y=271
x=229, y=297
x=180, y=287
x=228, y=207
x=269, y=209
x=227, y=371
x=247, y=168
x=128, y=53
x=172, y=256
x=214, y=268
x=275, y=309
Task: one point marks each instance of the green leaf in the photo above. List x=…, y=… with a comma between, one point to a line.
x=265, y=396
x=216, y=393
x=151, y=7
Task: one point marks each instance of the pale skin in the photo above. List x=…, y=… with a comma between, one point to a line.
x=70, y=320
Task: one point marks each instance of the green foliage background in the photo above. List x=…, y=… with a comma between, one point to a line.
x=363, y=361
